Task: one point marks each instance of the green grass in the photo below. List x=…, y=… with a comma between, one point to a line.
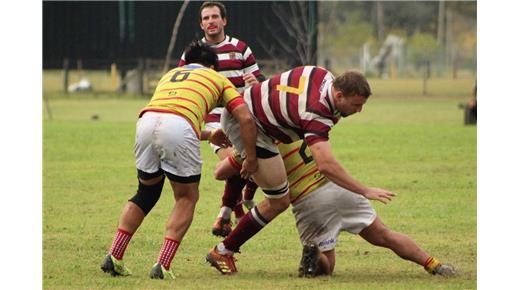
x=415, y=146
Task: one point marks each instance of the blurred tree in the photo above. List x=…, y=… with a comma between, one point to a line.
x=346, y=26
x=347, y=37
x=423, y=47
x=299, y=19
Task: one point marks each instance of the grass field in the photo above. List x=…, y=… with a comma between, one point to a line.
x=413, y=145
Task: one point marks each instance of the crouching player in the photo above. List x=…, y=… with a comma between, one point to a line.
x=322, y=209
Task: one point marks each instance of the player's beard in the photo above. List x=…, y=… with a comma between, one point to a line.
x=346, y=114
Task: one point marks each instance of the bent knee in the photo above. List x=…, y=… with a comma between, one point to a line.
x=218, y=175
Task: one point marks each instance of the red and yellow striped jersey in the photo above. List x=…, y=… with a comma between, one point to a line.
x=191, y=91
x=302, y=171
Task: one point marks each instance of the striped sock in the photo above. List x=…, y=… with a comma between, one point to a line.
x=430, y=264
x=248, y=226
x=168, y=250
x=119, y=244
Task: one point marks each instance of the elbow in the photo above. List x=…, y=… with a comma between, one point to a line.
x=249, y=120
x=325, y=169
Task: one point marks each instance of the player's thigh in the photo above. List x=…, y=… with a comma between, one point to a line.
x=188, y=191
x=271, y=172
x=223, y=153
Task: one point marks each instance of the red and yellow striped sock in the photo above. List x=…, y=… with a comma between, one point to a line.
x=431, y=264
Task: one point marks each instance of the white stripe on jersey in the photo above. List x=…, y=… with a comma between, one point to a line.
x=233, y=41
x=265, y=103
x=247, y=53
x=251, y=68
x=231, y=73
x=284, y=80
x=326, y=88
x=247, y=99
x=302, y=98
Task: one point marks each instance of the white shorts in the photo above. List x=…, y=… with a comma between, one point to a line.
x=168, y=142
x=326, y=211
x=213, y=126
x=231, y=128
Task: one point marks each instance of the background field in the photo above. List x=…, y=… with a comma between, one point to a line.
x=414, y=145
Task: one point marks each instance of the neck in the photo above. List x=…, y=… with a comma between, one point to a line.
x=215, y=39
x=333, y=94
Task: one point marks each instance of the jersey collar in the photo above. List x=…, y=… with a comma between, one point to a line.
x=217, y=44
x=194, y=65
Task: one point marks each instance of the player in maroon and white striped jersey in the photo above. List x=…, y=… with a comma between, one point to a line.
x=237, y=62
x=302, y=103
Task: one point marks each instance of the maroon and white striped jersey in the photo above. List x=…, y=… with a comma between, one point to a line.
x=296, y=104
x=235, y=59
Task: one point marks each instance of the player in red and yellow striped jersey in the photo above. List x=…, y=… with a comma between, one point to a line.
x=322, y=209
x=192, y=91
x=302, y=172
x=167, y=143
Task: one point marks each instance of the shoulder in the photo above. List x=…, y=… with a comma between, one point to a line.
x=240, y=44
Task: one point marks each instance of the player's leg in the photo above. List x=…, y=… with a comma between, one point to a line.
x=271, y=177
x=179, y=148
x=320, y=215
x=232, y=194
x=379, y=235
x=141, y=203
x=230, y=199
x=186, y=196
x=327, y=262
x=151, y=180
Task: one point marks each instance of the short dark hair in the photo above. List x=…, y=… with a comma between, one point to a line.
x=352, y=83
x=221, y=7
x=199, y=52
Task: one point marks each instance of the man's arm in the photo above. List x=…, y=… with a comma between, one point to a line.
x=216, y=137
x=248, y=134
x=332, y=169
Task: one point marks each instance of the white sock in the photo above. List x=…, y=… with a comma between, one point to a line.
x=225, y=212
x=221, y=249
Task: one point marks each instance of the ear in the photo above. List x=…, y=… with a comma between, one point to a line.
x=224, y=21
x=336, y=93
x=201, y=27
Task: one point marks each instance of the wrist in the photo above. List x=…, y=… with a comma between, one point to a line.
x=212, y=134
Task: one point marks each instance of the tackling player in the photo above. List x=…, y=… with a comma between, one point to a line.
x=237, y=62
x=322, y=209
x=167, y=143
x=302, y=103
